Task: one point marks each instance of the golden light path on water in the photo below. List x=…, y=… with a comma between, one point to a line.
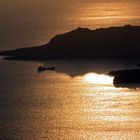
x=106, y=92
x=89, y=107
x=106, y=112
x=54, y=105
x=93, y=78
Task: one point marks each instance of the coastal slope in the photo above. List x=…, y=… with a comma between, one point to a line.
x=83, y=43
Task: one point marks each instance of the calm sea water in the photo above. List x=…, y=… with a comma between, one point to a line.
x=77, y=101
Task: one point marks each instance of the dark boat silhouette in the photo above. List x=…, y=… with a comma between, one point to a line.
x=43, y=68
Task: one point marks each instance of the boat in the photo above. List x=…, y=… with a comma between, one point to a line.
x=43, y=68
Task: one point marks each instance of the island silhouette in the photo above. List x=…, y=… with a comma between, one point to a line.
x=129, y=78
x=83, y=43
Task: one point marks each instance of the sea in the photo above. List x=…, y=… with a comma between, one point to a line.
x=78, y=100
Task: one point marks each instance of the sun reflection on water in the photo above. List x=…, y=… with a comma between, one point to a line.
x=93, y=78
x=107, y=107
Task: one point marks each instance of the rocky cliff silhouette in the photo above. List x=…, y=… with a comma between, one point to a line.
x=126, y=78
x=83, y=43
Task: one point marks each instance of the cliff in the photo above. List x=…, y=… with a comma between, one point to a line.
x=83, y=43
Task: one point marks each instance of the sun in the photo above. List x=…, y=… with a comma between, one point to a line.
x=93, y=78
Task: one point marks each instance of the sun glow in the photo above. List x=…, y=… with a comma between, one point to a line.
x=93, y=78
x=109, y=13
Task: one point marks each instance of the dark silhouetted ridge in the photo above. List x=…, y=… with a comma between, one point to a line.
x=83, y=43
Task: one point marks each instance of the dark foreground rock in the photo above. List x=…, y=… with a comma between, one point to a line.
x=83, y=43
x=126, y=78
